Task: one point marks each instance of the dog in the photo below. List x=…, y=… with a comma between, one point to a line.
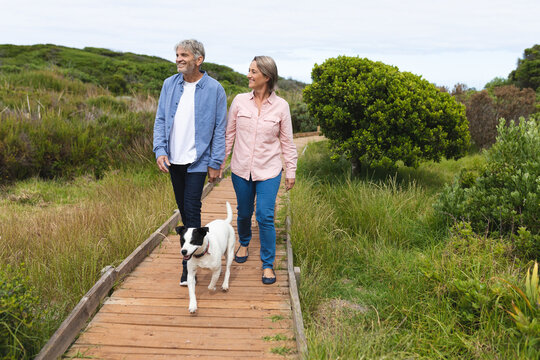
x=203, y=248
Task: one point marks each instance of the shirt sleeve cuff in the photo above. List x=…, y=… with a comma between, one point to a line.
x=214, y=165
x=160, y=152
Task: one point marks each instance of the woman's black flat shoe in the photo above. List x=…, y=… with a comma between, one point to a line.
x=269, y=280
x=241, y=259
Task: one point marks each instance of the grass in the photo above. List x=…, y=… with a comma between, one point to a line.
x=383, y=279
x=67, y=231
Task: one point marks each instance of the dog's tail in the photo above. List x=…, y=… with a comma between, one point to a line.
x=228, y=220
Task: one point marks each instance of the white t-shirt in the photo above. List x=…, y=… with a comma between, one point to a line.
x=182, y=141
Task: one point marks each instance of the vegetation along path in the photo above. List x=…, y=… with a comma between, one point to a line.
x=147, y=315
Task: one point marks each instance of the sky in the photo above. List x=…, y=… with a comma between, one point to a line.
x=446, y=42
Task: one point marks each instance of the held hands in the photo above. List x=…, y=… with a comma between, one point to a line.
x=163, y=163
x=289, y=183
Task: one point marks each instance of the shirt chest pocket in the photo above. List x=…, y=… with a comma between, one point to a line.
x=270, y=126
x=244, y=119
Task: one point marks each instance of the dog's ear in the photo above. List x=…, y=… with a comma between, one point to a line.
x=203, y=231
x=197, y=237
x=180, y=230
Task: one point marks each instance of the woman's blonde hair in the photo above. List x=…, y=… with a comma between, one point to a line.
x=268, y=67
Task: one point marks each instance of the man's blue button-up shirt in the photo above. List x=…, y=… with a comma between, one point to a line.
x=210, y=120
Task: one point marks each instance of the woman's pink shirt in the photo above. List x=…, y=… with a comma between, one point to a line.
x=260, y=139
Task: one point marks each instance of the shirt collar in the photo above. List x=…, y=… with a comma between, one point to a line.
x=270, y=99
x=201, y=82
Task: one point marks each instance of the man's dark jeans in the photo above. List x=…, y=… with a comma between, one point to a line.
x=188, y=189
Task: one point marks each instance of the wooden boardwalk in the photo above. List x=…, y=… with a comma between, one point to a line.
x=147, y=315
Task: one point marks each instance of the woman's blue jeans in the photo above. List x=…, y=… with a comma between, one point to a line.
x=266, y=193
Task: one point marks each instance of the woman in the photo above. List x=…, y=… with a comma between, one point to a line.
x=259, y=125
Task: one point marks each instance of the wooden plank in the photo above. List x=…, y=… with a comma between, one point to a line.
x=254, y=295
x=187, y=320
x=124, y=352
x=203, y=303
x=298, y=321
x=73, y=324
x=274, y=315
x=187, y=338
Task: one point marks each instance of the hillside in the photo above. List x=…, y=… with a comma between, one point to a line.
x=121, y=73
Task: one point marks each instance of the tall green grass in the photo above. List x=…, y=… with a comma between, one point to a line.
x=65, y=232
x=382, y=278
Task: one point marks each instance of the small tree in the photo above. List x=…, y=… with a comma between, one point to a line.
x=527, y=73
x=377, y=115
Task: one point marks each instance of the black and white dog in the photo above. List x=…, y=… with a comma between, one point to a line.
x=203, y=248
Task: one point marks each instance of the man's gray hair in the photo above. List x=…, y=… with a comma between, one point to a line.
x=192, y=45
x=268, y=67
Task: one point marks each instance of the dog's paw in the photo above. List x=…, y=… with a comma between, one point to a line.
x=193, y=310
x=225, y=287
x=210, y=287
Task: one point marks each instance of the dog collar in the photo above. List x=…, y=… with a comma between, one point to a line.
x=204, y=253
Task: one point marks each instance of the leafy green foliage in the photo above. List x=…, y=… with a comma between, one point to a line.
x=302, y=120
x=19, y=315
x=505, y=194
x=526, y=311
x=377, y=115
x=468, y=283
x=496, y=82
x=527, y=73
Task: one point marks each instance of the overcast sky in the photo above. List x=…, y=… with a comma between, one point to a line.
x=446, y=42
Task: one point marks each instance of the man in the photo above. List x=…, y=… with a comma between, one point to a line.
x=189, y=132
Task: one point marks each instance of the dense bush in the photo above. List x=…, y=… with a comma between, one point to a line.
x=302, y=120
x=56, y=147
x=505, y=194
x=53, y=126
x=527, y=73
x=476, y=276
x=485, y=108
x=19, y=315
x=377, y=115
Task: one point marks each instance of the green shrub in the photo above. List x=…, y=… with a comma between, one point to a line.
x=302, y=120
x=466, y=272
x=377, y=115
x=527, y=73
x=506, y=194
x=56, y=147
x=19, y=315
x=526, y=312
